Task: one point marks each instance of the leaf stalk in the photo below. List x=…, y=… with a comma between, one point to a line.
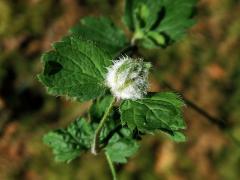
x=96, y=139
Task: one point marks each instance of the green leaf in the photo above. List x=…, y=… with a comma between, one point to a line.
x=102, y=31
x=141, y=14
x=99, y=107
x=69, y=143
x=120, y=145
x=120, y=148
x=175, y=135
x=155, y=112
x=158, y=22
x=152, y=40
x=177, y=18
x=178, y=136
x=75, y=69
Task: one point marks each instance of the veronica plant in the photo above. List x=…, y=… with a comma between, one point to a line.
x=88, y=64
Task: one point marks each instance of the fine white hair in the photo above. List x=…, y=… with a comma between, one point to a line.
x=127, y=78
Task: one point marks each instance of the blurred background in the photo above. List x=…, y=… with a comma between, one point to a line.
x=204, y=66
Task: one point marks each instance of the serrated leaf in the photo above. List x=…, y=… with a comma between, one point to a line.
x=121, y=145
x=141, y=14
x=158, y=22
x=69, y=143
x=102, y=31
x=120, y=148
x=155, y=112
x=177, y=18
x=75, y=68
x=178, y=136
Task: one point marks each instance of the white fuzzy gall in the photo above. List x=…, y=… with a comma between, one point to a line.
x=128, y=78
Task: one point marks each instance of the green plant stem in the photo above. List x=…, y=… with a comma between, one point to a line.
x=95, y=145
x=110, y=163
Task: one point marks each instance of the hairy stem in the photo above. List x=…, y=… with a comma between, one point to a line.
x=110, y=163
x=95, y=145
